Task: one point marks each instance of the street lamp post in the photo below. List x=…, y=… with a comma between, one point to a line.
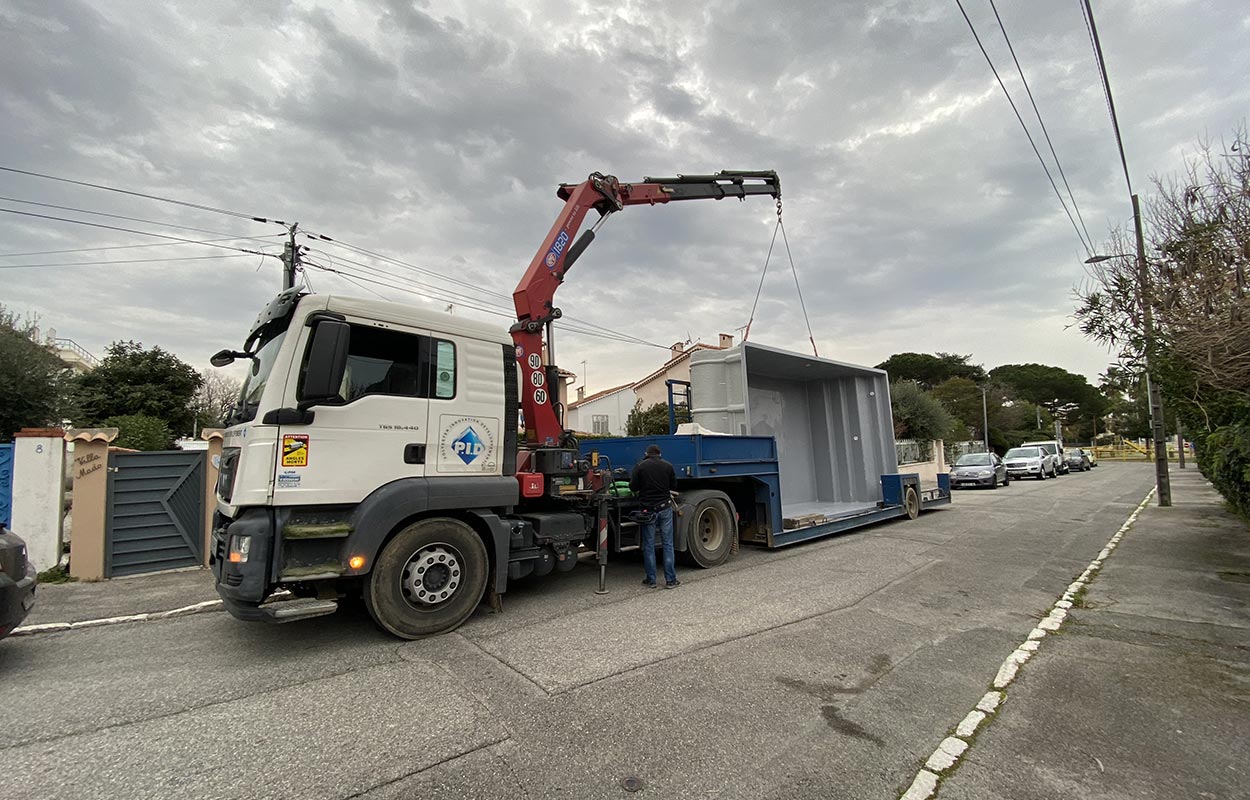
x=1163, y=482
x=985, y=419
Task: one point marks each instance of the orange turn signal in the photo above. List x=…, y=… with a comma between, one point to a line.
x=356, y=562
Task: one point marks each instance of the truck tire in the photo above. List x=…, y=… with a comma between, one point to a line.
x=911, y=502
x=708, y=521
x=428, y=579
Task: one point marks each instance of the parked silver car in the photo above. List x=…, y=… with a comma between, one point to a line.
x=979, y=469
x=1078, y=459
x=1031, y=462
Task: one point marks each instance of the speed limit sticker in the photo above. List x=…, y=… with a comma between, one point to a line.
x=537, y=378
x=540, y=396
x=535, y=361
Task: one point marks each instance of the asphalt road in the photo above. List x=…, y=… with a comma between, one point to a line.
x=826, y=670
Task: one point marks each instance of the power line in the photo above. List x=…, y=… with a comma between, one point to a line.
x=496, y=311
x=123, y=216
x=131, y=246
x=128, y=230
x=1106, y=87
x=122, y=261
x=239, y=214
x=1038, y=113
x=511, y=312
x=1085, y=245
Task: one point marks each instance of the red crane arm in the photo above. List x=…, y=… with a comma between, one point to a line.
x=534, y=294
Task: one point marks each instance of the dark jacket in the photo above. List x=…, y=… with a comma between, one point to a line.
x=651, y=482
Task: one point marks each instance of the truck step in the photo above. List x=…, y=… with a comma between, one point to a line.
x=302, y=608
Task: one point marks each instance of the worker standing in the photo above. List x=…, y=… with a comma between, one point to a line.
x=653, y=482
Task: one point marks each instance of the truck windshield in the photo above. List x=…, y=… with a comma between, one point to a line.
x=269, y=343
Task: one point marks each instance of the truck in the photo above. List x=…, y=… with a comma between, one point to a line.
x=418, y=461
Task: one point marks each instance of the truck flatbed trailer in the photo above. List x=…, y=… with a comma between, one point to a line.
x=748, y=470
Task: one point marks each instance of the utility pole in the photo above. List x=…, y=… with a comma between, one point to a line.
x=290, y=258
x=1180, y=445
x=1163, y=481
x=985, y=419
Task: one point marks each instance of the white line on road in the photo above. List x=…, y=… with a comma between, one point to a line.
x=953, y=748
x=52, y=627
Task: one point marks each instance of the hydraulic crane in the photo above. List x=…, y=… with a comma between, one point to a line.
x=549, y=447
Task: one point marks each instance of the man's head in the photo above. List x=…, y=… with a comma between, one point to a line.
x=653, y=451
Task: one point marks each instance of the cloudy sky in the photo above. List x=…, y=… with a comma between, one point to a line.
x=436, y=133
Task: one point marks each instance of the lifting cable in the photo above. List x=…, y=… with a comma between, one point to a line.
x=785, y=240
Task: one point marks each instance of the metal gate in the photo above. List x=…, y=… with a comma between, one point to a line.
x=6, y=484
x=155, y=512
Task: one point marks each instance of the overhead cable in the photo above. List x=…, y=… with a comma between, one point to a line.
x=202, y=207
x=132, y=246
x=1106, y=87
x=1084, y=244
x=1038, y=113
x=123, y=261
x=123, y=216
x=128, y=230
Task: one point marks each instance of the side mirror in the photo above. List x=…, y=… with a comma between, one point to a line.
x=222, y=358
x=327, y=361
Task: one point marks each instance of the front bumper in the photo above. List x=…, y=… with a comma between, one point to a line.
x=243, y=586
x=17, y=597
x=958, y=481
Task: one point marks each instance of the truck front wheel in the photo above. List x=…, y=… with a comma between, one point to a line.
x=428, y=579
x=710, y=527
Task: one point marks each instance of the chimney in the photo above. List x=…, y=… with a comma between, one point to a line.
x=726, y=341
x=581, y=393
x=677, y=349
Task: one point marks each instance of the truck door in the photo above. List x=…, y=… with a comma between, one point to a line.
x=376, y=433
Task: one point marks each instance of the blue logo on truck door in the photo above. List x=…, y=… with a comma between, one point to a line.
x=468, y=446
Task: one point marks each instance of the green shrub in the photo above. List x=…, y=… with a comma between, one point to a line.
x=1224, y=457
x=140, y=432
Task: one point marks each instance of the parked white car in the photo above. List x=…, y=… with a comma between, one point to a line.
x=1055, y=448
x=1031, y=462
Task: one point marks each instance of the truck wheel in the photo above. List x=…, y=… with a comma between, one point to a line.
x=708, y=519
x=911, y=502
x=428, y=579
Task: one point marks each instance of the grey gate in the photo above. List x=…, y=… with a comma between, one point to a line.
x=155, y=512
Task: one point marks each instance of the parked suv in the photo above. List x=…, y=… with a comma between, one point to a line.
x=1055, y=448
x=1030, y=462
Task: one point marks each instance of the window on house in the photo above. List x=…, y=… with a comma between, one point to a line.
x=599, y=423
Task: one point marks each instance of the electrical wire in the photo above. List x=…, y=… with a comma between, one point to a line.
x=1092, y=27
x=458, y=282
x=1084, y=244
x=239, y=214
x=123, y=216
x=1038, y=113
x=128, y=230
x=122, y=261
x=131, y=246
x=496, y=311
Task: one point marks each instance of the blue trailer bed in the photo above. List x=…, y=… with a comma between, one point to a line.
x=747, y=469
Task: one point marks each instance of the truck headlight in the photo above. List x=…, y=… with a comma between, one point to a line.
x=240, y=546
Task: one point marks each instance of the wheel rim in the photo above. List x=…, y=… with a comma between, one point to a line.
x=710, y=527
x=912, y=503
x=432, y=576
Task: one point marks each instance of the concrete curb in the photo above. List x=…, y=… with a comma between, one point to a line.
x=53, y=627
x=953, y=748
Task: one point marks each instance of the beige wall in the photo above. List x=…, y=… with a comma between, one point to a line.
x=929, y=469
x=655, y=391
x=90, y=471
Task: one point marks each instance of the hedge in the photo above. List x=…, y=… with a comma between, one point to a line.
x=1224, y=457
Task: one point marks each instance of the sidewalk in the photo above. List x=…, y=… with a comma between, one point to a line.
x=1146, y=690
x=75, y=602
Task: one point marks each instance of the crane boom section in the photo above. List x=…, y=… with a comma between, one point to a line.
x=535, y=293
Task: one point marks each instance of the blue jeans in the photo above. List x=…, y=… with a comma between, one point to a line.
x=664, y=519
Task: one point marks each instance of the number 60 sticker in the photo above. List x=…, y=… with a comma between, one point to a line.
x=540, y=396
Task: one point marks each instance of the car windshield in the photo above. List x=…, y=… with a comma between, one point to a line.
x=267, y=352
x=1023, y=452
x=1049, y=447
x=973, y=460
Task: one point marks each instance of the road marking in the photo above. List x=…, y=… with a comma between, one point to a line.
x=952, y=748
x=52, y=627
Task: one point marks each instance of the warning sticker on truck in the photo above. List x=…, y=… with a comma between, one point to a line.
x=295, y=450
